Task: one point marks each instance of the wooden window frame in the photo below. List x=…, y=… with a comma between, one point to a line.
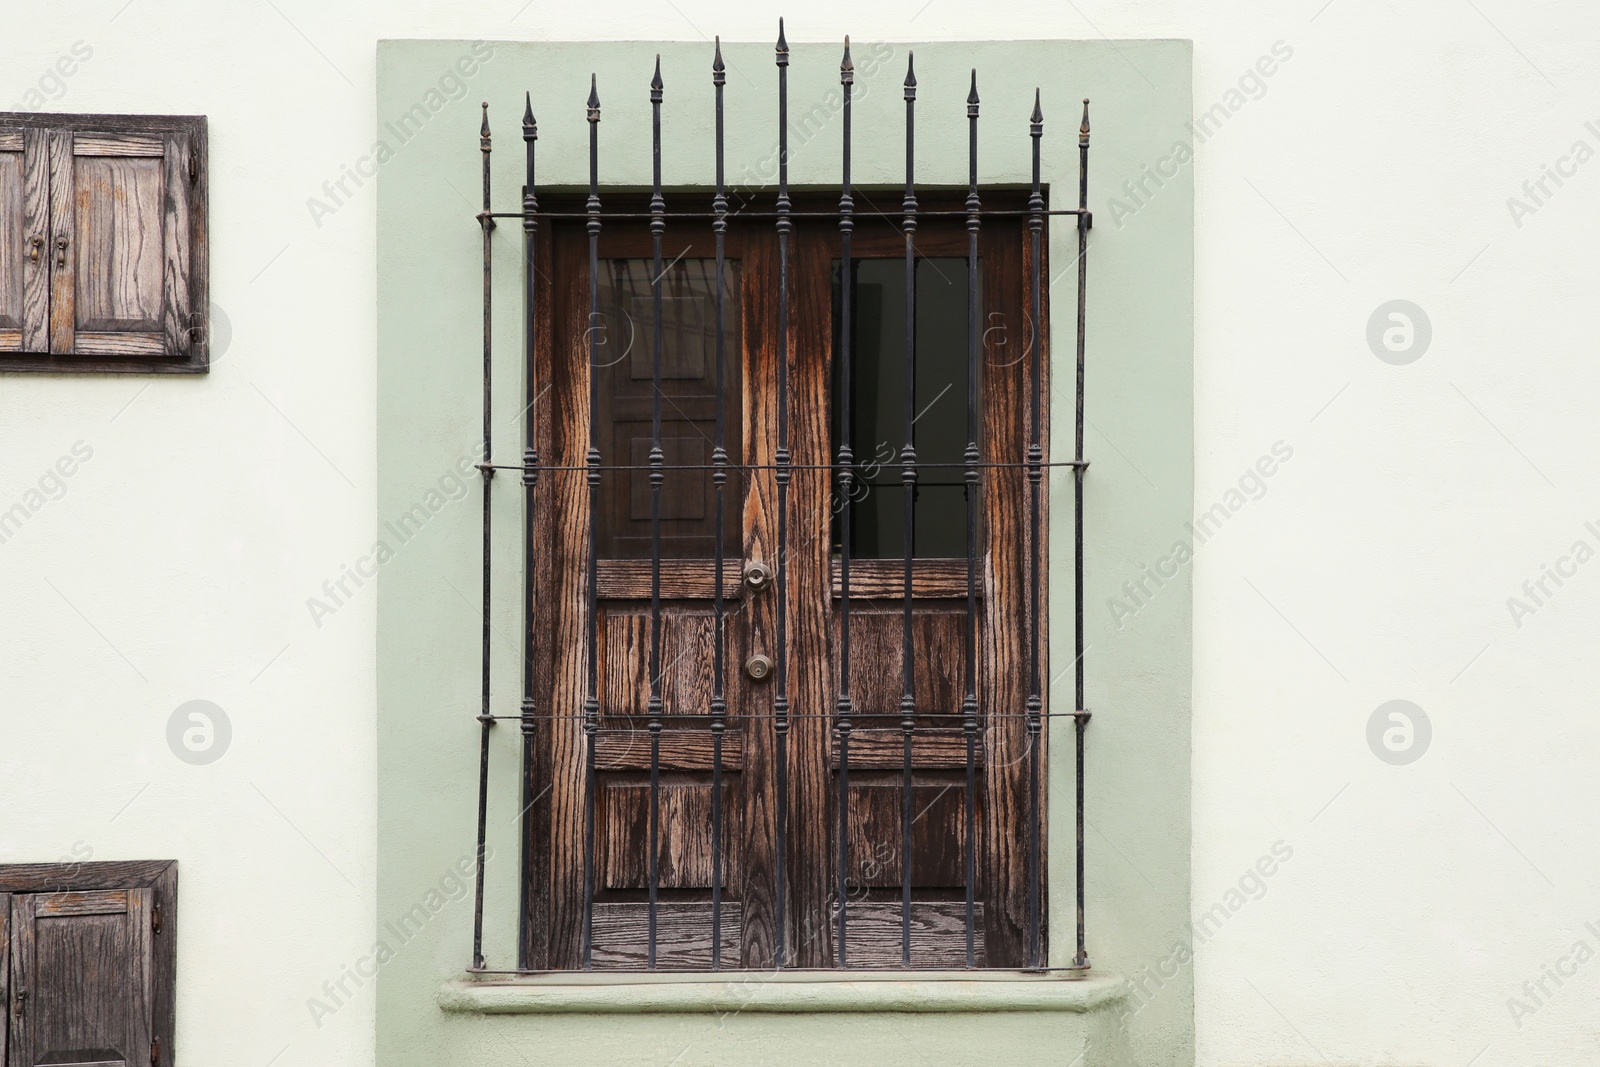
x=550, y=907
x=159, y=876
x=194, y=129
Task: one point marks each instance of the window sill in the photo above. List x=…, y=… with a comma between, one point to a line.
x=948, y=991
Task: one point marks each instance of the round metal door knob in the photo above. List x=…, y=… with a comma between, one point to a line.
x=758, y=667
x=756, y=576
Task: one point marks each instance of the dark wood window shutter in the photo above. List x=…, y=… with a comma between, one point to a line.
x=103, y=223
x=88, y=956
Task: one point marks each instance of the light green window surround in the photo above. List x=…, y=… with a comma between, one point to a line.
x=1136, y=1006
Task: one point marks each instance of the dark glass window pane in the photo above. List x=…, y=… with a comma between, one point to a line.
x=877, y=406
x=624, y=354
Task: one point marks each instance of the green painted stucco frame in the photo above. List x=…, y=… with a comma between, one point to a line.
x=1138, y=501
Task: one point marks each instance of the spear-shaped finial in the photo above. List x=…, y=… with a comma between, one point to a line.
x=1083, y=131
x=594, y=99
x=483, y=131
x=1037, y=118
x=718, y=69
x=911, y=76
x=783, y=45
x=972, y=94
x=655, y=82
x=847, y=69
x=530, y=125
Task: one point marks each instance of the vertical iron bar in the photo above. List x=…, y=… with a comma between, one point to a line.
x=1035, y=471
x=1081, y=719
x=719, y=477
x=591, y=702
x=484, y=717
x=969, y=703
x=780, y=702
x=847, y=77
x=658, y=225
x=530, y=482
x=908, y=479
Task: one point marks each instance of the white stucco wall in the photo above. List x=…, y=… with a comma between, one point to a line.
x=1374, y=164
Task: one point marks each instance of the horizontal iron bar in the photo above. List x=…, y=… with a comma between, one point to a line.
x=955, y=464
x=989, y=213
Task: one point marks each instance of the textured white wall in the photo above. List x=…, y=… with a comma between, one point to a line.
x=1374, y=164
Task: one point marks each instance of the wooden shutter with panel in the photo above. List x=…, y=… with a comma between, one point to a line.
x=87, y=964
x=102, y=243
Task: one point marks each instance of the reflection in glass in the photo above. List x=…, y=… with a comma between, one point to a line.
x=877, y=406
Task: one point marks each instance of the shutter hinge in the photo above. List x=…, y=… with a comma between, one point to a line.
x=194, y=166
x=155, y=918
x=155, y=1053
x=197, y=327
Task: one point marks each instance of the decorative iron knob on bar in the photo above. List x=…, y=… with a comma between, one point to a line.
x=758, y=667
x=757, y=576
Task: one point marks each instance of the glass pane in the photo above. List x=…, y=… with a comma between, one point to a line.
x=624, y=354
x=877, y=406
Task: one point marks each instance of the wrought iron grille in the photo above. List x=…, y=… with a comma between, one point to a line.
x=845, y=470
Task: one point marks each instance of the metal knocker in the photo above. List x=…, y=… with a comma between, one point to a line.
x=757, y=575
x=61, y=251
x=35, y=246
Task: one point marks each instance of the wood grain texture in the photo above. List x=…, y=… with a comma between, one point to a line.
x=117, y=214
x=125, y=145
x=60, y=252
x=884, y=579
x=629, y=579
x=683, y=935
x=681, y=750
x=84, y=902
x=128, y=195
x=883, y=748
x=938, y=935
x=95, y=947
x=14, y=233
x=126, y=343
x=684, y=835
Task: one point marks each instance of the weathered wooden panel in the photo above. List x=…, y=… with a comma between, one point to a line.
x=685, y=834
x=877, y=658
x=938, y=934
x=681, y=750
x=629, y=579
x=683, y=935
x=938, y=836
x=118, y=206
x=118, y=214
x=60, y=251
x=883, y=748
x=128, y=145
x=881, y=579
x=14, y=250
x=86, y=902
x=687, y=647
x=128, y=343
x=84, y=983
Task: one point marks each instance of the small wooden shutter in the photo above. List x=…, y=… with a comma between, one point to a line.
x=24, y=229
x=119, y=222
x=83, y=977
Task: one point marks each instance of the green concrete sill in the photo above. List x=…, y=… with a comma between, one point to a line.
x=933, y=991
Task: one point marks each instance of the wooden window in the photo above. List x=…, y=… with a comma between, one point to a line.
x=103, y=243
x=88, y=963
x=617, y=861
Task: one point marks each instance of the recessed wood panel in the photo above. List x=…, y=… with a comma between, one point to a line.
x=119, y=248
x=685, y=836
